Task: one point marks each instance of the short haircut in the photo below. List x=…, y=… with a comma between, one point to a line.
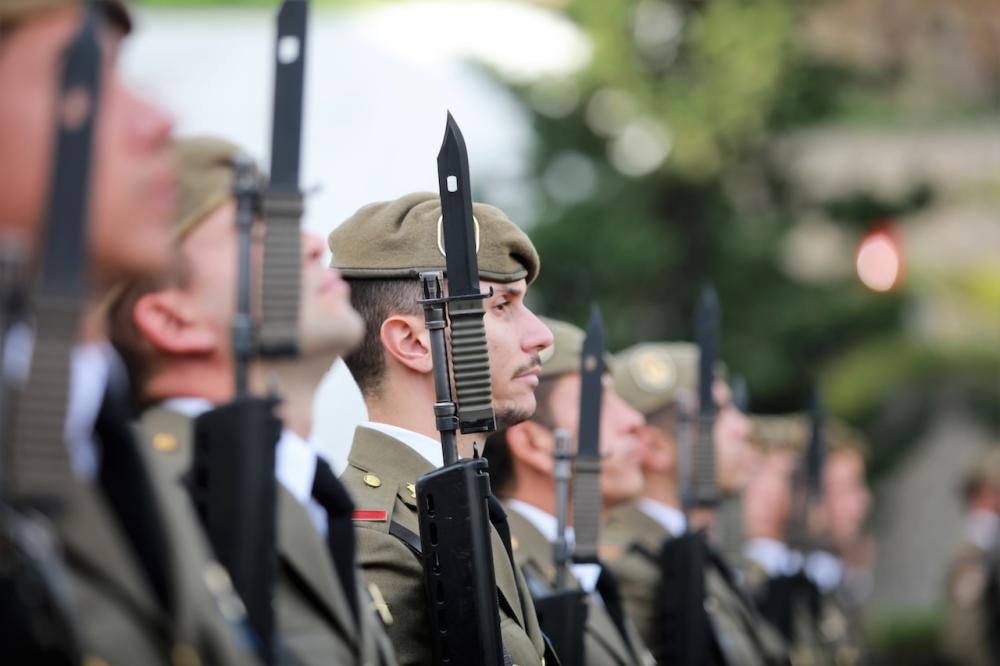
x=126, y=337
x=376, y=301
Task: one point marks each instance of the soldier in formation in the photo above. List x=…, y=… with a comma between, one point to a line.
x=162, y=500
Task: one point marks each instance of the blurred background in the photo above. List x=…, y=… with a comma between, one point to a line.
x=831, y=166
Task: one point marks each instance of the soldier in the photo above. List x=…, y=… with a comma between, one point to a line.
x=841, y=570
x=137, y=576
x=660, y=381
x=967, y=631
x=380, y=250
x=175, y=336
x=773, y=571
x=521, y=470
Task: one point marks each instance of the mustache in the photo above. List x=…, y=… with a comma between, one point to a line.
x=534, y=362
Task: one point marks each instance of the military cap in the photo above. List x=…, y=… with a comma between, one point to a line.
x=402, y=238
x=205, y=175
x=650, y=375
x=985, y=469
x=563, y=356
x=788, y=432
x=841, y=437
x=116, y=11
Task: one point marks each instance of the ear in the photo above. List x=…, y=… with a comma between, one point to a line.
x=532, y=446
x=406, y=339
x=167, y=321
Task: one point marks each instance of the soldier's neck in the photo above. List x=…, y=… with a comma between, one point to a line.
x=296, y=382
x=662, y=488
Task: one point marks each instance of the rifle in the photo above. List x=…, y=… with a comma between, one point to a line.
x=731, y=508
x=680, y=609
x=459, y=580
x=562, y=612
x=34, y=590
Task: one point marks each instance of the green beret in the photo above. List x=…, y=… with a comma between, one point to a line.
x=402, y=238
x=563, y=356
x=787, y=432
x=205, y=177
x=116, y=11
x=651, y=375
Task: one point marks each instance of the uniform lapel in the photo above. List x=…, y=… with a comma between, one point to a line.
x=302, y=550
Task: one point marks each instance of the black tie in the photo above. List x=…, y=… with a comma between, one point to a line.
x=333, y=497
x=607, y=587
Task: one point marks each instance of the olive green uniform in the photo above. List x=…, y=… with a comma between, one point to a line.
x=381, y=474
x=964, y=633
x=603, y=643
x=314, y=618
x=632, y=543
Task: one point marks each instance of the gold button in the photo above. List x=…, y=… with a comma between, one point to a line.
x=91, y=660
x=372, y=480
x=184, y=655
x=164, y=442
x=412, y=490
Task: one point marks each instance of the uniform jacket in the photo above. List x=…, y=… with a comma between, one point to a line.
x=381, y=473
x=965, y=638
x=313, y=615
x=633, y=541
x=805, y=641
x=603, y=642
x=122, y=619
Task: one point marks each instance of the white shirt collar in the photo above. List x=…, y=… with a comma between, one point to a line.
x=188, y=406
x=89, y=371
x=429, y=449
x=774, y=557
x=543, y=521
x=981, y=529
x=825, y=569
x=671, y=518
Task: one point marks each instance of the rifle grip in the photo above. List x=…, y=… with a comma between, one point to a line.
x=471, y=363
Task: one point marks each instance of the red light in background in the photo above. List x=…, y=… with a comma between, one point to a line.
x=879, y=260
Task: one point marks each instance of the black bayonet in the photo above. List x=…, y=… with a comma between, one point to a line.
x=283, y=201
x=465, y=310
x=453, y=501
x=707, y=337
x=587, y=473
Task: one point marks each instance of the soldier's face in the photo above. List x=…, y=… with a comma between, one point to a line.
x=515, y=337
x=621, y=472
x=734, y=456
x=133, y=181
x=328, y=323
x=846, y=498
x=767, y=500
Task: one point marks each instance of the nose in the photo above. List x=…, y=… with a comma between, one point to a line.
x=538, y=335
x=151, y=127
x=313, y=248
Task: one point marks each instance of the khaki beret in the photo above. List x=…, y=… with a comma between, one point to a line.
x=116, y=11
x=786, y=432
x=984, y=470
x=650, y=375
x=841, y=437
x=401, y=238
x=205, y=179
x=562, y=357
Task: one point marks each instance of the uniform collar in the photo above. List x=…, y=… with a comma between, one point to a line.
x=774, y=557
x=981, y=529
x=429, y=449
x=671, y=518
x=547, y=525
x=825, y=569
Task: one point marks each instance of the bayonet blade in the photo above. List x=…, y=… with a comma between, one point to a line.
x=289, y=86
x=586, y=482
x=458, y=230
x=707, y=336
x=456, y=211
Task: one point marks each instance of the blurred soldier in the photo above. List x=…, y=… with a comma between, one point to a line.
x=521, y=469
x=660, y=380
x=774, y=573
x=137, y=573
x=175, y=334
x=967, y=633
x=842, y=568
x=380, y=250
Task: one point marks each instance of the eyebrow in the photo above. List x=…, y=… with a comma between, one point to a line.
x=507, y=290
